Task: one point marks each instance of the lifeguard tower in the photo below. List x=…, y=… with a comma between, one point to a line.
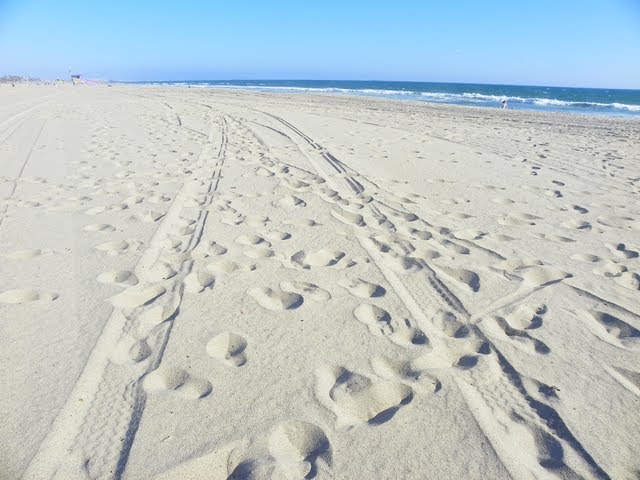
x=75, y=78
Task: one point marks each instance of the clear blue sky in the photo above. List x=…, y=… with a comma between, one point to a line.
x=542, y=42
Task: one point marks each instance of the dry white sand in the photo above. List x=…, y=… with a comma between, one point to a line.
x=209, y=284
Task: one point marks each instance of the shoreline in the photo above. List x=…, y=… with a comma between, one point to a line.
x=632, y=111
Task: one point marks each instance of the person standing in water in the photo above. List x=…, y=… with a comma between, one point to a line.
x=504, y=103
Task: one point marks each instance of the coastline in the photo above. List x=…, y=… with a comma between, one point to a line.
x=590, y=101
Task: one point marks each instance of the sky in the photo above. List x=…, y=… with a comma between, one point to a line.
x=589, y=43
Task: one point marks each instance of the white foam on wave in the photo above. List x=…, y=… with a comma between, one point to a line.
x=550, y=101
x=493, y=98
x=563, y=103
x=624, y=106
x=361, y=91
x=479, y=97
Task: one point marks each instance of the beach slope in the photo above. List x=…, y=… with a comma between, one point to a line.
x=213, y=284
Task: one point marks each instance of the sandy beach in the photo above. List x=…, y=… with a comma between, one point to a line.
x=218, y=284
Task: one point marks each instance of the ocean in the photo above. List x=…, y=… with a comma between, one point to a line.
x=595, y=101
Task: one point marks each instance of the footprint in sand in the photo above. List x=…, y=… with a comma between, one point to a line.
x=585, y=257
x=210, y=249
x=502, y=201
x=150, y=216
x=630, y=280
x=174, y=259
x=512, y=264
x=356, y=399
x=252, y=241
x=221, y=463
x=258, y=252
x=158, y=199
x=379, y=322
x=228, y=348
x=613, y=330
x=232, y=219
x=26, y=254
x=579, y=209
x=527, y=317
x=498, y=237
x=328, y=193
x=297, y=185
x=137, y=295
x=518, y=219
x=459, y=356
x=387, y=243
x=576, y=224
x=156, y=315
x=178, y=381
x=224, y=266
x=184, y=226
x=457, y=215
x=276, y=235
x=133, y=200
x=130, y=350
x=361, y=288
x=553, y=193
x=454, y=247
x=310, y=291
x=170, y=243
x=318, y=258
x=296, y=445
x=463, y=276
x=276, y=300
x=24, y=203
x=289, y=202
x=118, y=247
x=26, y=295
x=33, y=179
x=553, y=237
x=197, y=281
x=116, y=207
x=414, y=233
x=538, y=276
x=470, y=234
x=403, y=264
x=348, y=218
x=499, y=327
x=610, y=269
x=447, y=323
x=195, y=201
x=302, y=222
x=621, y=250
x=263, y=172
x=256, y=221
x=626, y=223
x=398, y=214
x=159, y=271
x=113, y=248
x=123, y=278
x=402, y=371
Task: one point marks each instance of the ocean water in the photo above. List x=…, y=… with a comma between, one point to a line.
x=595, y=101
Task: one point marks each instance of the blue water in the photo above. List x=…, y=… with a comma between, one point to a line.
x=596, y=101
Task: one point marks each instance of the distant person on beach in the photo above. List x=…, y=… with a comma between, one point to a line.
x=504, y=103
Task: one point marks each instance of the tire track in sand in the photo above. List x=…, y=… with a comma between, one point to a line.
x=493, y=389
x=5, y=208
x=108, y=399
